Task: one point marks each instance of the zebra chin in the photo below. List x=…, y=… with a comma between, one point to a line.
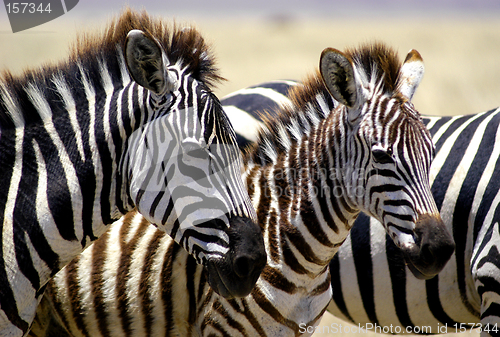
x=235, y=274
x=433, y=247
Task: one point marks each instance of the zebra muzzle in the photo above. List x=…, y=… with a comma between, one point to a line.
x=235, y=274
x=433, y=247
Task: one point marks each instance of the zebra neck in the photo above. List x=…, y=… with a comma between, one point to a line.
x=60, y=163
x=301, y=206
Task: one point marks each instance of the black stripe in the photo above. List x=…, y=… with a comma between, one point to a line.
x=322, y=193
x=166, y=284
x=486, y=204
x=337, y=294
x=404, y=217
x=437, y=125
x=99, y=257
x=230, y=320
x=123, y=275
x=58, y=196
x=464, y=204
x=191, y=269
x=23, y=258
x=434, y=302
x=205, y=238
x=147, y=273
x=397, y=272
x=453, y=159
x=85, y=170
x=361, y=243
x=7, y=300
x=278, y=86
x=104, y=154
x=494, y=183
x=489, y=284
x=73, y=287
x=494, y=311
x=384, y=173
x=262, y=301
x=450, y=129
x=288, y=256
x=252, y=104
x=129, y=95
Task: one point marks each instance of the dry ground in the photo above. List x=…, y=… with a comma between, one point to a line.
x=461, y=57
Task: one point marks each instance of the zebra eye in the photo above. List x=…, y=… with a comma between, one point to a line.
x=382, y=156
x=194, y=149
x=199, y=153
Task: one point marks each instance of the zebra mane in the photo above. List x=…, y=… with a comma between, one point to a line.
x=183, y=45
x=311, y=102
x=379, y=64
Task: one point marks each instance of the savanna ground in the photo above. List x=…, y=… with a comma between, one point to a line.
x=461, y=57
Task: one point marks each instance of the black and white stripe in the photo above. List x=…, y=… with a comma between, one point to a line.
x=300, y=161
x=87, y=140
x=369, y=278
x=370, y=281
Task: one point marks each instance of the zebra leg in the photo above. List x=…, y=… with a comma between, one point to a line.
x=486, y=275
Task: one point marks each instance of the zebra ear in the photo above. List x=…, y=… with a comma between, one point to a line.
x=411, y=73
x=338, y=75
x=144, y=59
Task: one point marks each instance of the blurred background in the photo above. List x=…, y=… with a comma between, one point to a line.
x=261, y=40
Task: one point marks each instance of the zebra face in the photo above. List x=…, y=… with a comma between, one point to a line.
x=397, y=190
x=391, y=181
x=184, y=172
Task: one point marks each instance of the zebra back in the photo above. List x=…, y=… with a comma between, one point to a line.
x=131, y=264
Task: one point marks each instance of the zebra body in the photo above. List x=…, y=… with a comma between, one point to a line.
x=127, y=121
x=370, y=283
x=287, y=173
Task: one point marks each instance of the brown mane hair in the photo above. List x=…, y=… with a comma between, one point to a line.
x=378, y=62
x=182, y=45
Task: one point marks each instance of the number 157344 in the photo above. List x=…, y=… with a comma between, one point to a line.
x=27, y=8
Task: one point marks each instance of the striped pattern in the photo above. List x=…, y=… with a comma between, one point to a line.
x=80, y=145
x=150, y=288
x=370, y=281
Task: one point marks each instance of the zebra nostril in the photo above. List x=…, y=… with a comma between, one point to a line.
x=426, y=253
x=243, y=266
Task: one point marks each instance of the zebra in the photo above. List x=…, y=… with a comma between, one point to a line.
x=127, y=121
x=351, y=127
x=466, y=294
x=370, y=283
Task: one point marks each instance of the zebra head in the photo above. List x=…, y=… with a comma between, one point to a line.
x=391, y=180
x=184, y=171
